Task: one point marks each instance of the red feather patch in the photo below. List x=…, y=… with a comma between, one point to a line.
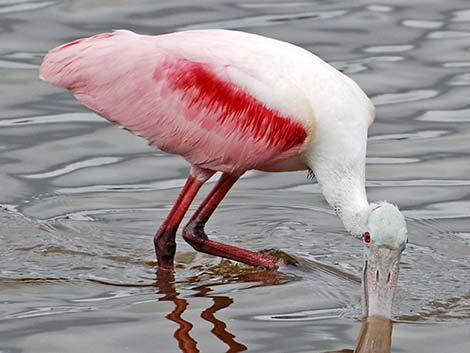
x=232, y=105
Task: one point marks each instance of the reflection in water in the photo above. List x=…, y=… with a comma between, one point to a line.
x=375, y=336
x=187, y=344
x=219, y=329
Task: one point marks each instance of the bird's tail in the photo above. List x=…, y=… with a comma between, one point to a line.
x=70, y=65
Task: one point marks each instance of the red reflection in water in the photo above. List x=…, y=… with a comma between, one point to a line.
x=219, y=329
x=186, y=343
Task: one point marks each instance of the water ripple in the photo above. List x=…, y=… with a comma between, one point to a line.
x=266, y=20
x=404, y=97
x=254, y=5
x=443, y=210
x=418, y=182
x=460, y=80
x=388, y=48
x=52, y=119
x=358, y=65
x=6, y=64
x=457, y=64
x=47, y=311
x=422, y=134
x=448, y=34
x=23, y=6
x=461, y=16
x=391, y=160
x=380, y=8
x=427, y=24
x=303, y=315
x=92, y=162
x=446, y=116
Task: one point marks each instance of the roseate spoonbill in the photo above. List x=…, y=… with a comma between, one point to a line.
x=230, y=101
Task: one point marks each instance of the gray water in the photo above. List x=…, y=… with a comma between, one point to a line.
x=80, y=199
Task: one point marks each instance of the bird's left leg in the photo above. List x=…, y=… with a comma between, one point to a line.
x=194, y=233
x=164, y=240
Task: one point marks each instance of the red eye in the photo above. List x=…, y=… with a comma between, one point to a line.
x=366, y=237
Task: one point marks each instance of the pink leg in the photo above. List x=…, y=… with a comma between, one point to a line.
x=164, y=240
x=194, y=234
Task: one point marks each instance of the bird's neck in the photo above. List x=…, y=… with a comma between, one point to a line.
x=343, y=186
x=348, y=198
x=337, y=157
x=353, y=209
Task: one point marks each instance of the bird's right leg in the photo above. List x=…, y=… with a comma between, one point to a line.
x=164, y=240
x=194, y=233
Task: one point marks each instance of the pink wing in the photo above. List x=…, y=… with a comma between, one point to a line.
x=181, y=105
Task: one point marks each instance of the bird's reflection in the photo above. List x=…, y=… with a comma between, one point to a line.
x=374, y=336
x=220, y=328
x=187, y=344
x=166, y=286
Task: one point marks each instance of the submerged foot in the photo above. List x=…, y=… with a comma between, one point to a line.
x=281, y=258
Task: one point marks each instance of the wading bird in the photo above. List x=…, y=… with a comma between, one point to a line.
x=229, y=102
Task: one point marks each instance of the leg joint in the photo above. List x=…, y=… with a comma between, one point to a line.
x=194, y=234
x=165, y=247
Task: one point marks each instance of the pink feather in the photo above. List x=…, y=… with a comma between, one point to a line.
x=180, y=105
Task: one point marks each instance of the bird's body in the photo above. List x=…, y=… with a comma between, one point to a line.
x=227, y=102
x=212, y=96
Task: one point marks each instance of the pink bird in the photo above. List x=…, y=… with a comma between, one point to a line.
x=230, y=102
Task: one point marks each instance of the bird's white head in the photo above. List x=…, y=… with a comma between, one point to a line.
x=384, y=241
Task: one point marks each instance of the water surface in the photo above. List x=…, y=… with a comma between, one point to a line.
x=80, y=199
